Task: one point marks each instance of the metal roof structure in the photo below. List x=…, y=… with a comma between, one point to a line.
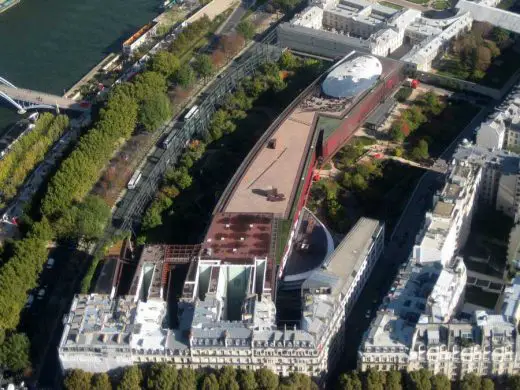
x=352, y=77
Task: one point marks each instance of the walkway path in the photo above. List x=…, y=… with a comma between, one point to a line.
x=41, y=98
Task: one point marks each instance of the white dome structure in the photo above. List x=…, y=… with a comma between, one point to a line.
x=352, y=77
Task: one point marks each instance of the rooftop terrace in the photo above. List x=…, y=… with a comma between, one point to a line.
x=239, y=236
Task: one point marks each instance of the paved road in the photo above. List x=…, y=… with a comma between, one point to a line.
x=235, y=17
x=398, y=248
x=35, y=180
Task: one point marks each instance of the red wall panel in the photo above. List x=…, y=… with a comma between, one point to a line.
x=359, y=113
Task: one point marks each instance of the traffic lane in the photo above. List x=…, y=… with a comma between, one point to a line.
x=396, y=253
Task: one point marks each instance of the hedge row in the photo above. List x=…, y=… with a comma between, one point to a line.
x=29, y=152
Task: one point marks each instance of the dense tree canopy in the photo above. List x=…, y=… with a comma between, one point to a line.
x=82, y=168
x=185, y=76
x=14, y=352
x=154, y=111
x=165, y=63
x=28, y=152
x=246, y=29
x=131, y=379
x=204, y=66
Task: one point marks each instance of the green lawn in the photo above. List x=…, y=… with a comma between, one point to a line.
x=390, y=5
x=418, y=1
x=284, y=228
x=441, y=4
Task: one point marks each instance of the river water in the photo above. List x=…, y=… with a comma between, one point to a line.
x=48, y=45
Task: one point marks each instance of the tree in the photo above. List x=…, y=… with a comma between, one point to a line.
x=398, y=152
x=186, y=379
x=196, y=149
x=221, y=124
x=227, y=379
x=488, y=384
x=246, y=29
x=170, y=191
x=154, y=111
x=416, y=116
x=161, y=376
x=131, y=380
x=203, y=65
x=484, y=58
x=165, y=63
x=14, y=352
x=185, y=76
x=101, y=381
x=359, y=183
x=296, y=381
x=419, y=380
x=246, y=380
x=92, y=217
x=432, y=103
x=393, y=380
x=210, y=383
x=266, y=379
x=471, y=382
x=349, y=381
x=440, y=382
x=181, y=178
x=513, y=382
x=420, y=152
x=186, y=161
x=218, y=57
x=285, y=5
x=152, y=218
x=77, y=380
x=500, y=35
x=288, y=61
x=374, y=380
x=231, y=44
x=148, y=84
x=396, y=133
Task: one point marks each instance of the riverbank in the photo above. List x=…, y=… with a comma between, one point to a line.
x=4, y=6
x=74, y=92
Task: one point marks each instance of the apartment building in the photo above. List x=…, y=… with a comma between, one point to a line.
x=501, y=130
x=500, y=176
x=420, y=324
x=226, y=315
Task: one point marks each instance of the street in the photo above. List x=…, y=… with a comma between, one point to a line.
x=34, y=181
x=399, y=245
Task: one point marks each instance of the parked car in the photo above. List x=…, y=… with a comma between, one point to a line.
x=41, y=293
x=30, y=301
x=50, y=263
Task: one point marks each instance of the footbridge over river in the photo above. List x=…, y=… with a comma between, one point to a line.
x=26, y=99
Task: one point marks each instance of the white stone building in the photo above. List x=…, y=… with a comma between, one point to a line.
x=501, y=130
x=419, y=324
x=226, y=314
x=500, y=177
x=335, y=25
